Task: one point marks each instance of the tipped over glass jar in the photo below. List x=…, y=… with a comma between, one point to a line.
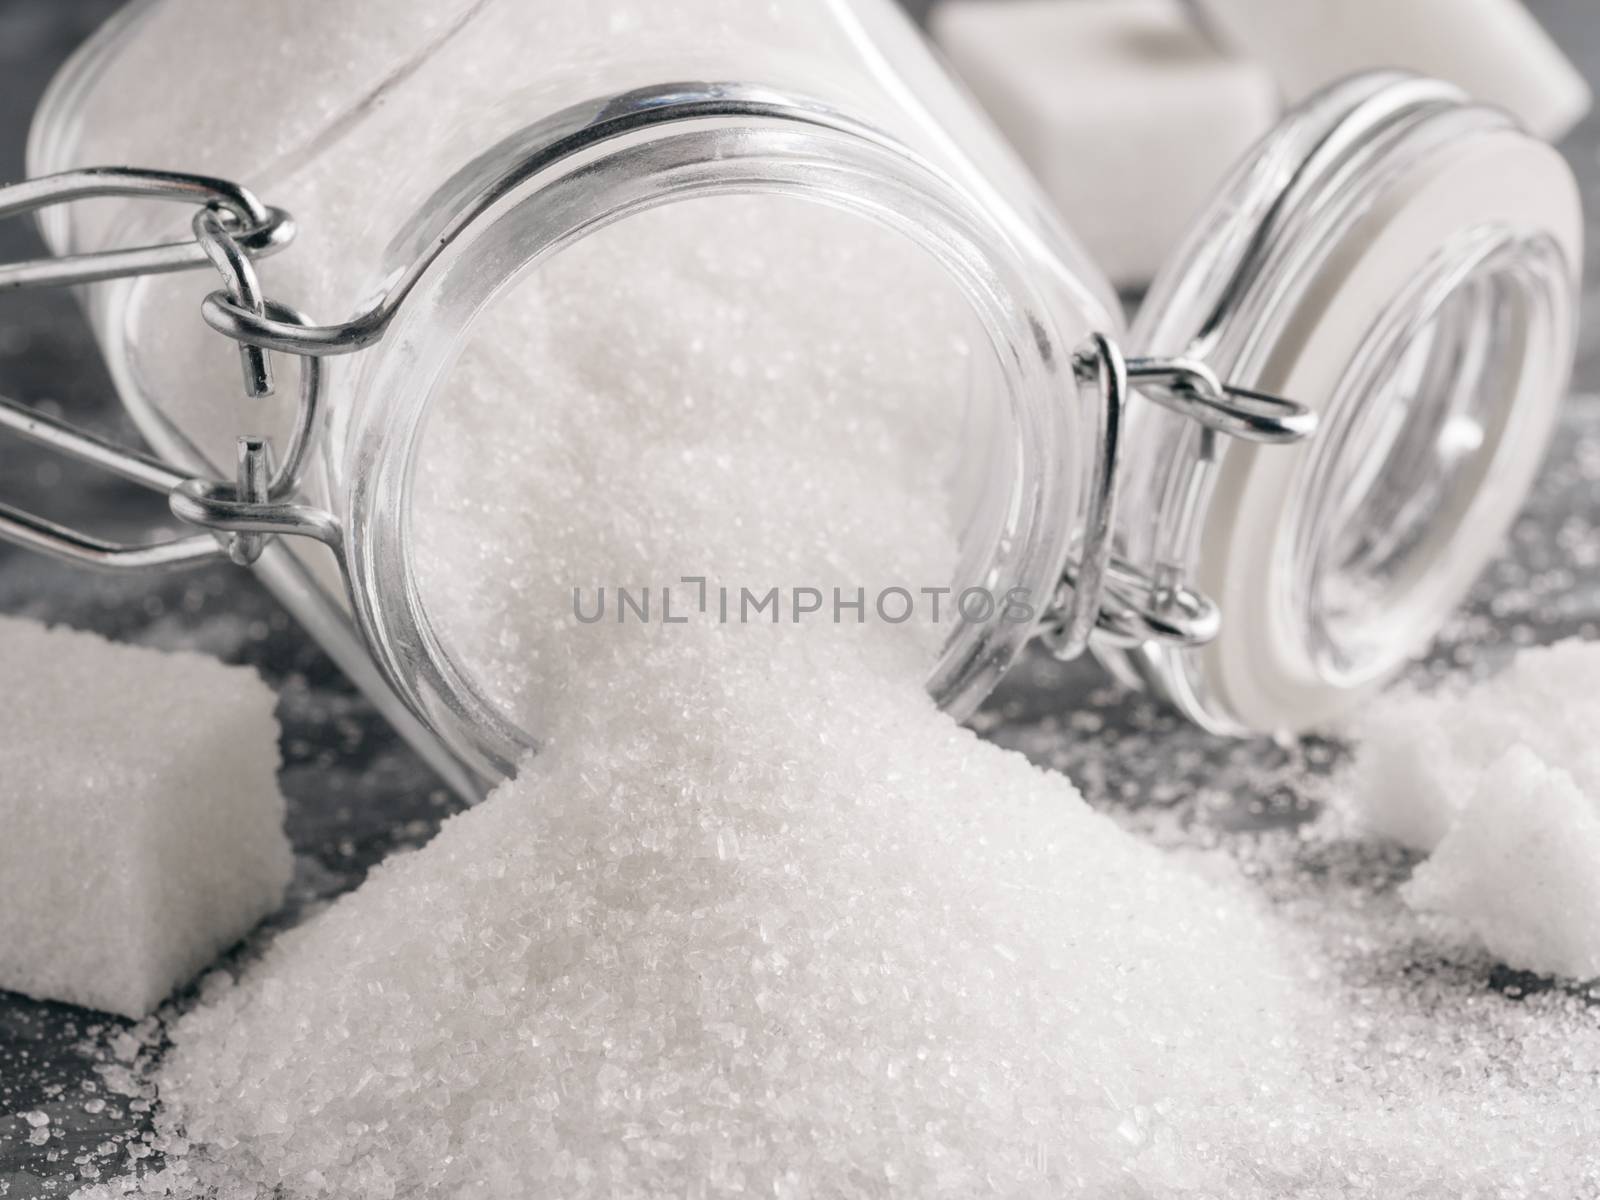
x=1399, y=262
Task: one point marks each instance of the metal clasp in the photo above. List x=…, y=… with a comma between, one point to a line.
x=231, y=229
x=1100, y=595
x=1192, y=389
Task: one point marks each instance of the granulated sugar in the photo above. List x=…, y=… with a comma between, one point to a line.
x=756, y=945
x=778, y=405
x=141, y=828
x=758, y=919
x=1501, y=781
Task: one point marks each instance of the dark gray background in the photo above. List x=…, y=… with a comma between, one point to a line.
x=356, y=792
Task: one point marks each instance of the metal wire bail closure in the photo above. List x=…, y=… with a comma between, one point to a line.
x=1101, y=596
x=231, y=229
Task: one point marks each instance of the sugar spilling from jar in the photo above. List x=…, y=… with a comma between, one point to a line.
x=758, y=918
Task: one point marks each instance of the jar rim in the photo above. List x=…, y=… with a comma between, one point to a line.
x=663, y=146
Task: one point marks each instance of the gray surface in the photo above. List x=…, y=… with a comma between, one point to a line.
x=355, y=792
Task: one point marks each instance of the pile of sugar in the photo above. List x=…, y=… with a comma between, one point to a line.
x=1499, y=782
x=758, y=919
x=141, y=827
x=751, y=947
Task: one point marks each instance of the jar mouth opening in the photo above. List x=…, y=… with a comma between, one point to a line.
x=1022, y=489
x=1420, y=455
x=616, y=397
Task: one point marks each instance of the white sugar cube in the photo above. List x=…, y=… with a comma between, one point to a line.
x=1521, y=869
x=1126, y=113
x=1500, y=780
x=1493, y=49
x=1421, y=755
x=141, y=827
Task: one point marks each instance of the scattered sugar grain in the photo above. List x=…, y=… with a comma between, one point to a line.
x=143, y=827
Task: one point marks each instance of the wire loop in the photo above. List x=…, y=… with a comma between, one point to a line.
x=258, y=229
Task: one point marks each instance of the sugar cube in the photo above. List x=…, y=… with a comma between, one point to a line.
x=141, y=826
x=1420, y=754
x=1500, y=781
x=1494, y=49
x=1124, y=111
x=1520, y=868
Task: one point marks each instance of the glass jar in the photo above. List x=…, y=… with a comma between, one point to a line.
x=1408, y=264
x=1399, y=259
